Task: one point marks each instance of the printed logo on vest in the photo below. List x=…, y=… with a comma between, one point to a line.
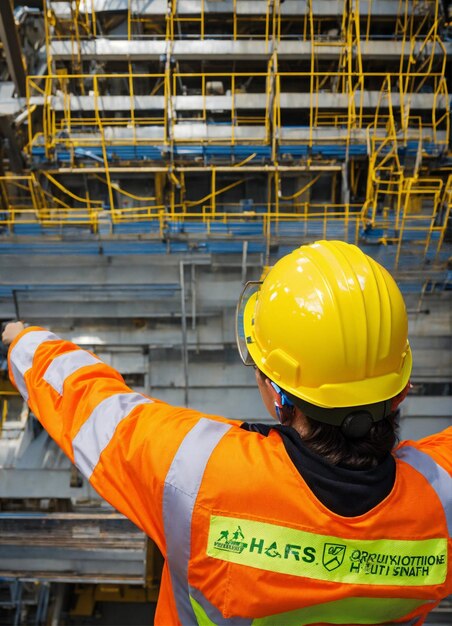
x=297, y=552
x=231, y=543
x=333, y=556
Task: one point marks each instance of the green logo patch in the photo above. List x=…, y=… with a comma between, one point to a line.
x=231, y=543
x=333, y=555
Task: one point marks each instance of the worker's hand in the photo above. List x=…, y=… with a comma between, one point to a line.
x=11, y=331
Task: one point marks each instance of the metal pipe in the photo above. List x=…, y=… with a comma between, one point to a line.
x=193, y=296
x=12, y=48
x=184, y=330
x=43, y=604
x=16, y=304
x=18, y=602
x=219, y=168
x=244, y=261
x=58, y=605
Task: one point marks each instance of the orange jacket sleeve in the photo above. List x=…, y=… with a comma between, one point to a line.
x=122, y=441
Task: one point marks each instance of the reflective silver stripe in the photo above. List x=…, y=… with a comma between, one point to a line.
x=436, y=475
x=66, y=364
x=214, y=614
x=180, y=492
x=22, y=354
x=96, y=433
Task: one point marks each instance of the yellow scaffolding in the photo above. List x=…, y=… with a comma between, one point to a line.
x=422, y=62
x=63, y=124
x=402, y=203
x=341, y=101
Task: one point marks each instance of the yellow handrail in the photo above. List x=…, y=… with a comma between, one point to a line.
x=215, y=193
x=67, y=191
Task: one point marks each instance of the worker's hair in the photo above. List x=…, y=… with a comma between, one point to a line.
x=330, y=442
x=364, y=453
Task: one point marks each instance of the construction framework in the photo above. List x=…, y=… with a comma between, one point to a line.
x=264, y=120
x=157, y=155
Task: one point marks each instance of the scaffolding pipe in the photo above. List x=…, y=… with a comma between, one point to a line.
x=184, y=331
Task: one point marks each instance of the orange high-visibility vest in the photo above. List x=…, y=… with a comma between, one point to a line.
x=244, y=538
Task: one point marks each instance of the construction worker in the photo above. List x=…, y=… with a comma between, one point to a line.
x=321, y=519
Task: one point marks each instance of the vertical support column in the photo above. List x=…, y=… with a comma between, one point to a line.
x=159, y=186
x=244, y=261
x=184, y=330
x=273, y=104
x=17, y=601
x=11, y=46
x=14, y=153
x=213, y=191
x=170, y=89
x=100, y=124
x=269, y=191
x=345, y=187
x=193, y=296
x=58, y=604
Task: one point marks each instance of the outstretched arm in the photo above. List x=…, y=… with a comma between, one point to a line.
x=122, y=441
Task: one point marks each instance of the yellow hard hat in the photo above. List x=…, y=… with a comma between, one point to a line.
x=328, y=324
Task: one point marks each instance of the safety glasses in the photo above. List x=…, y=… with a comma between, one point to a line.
x=244, y=313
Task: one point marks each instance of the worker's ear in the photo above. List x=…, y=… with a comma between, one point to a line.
x=284, y=408
x=400, y=397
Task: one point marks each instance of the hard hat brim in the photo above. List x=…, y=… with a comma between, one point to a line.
x=329, y=395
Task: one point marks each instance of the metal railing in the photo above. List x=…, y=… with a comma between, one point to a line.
x=76, y=109
x=104, y=121
x=267, y=20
